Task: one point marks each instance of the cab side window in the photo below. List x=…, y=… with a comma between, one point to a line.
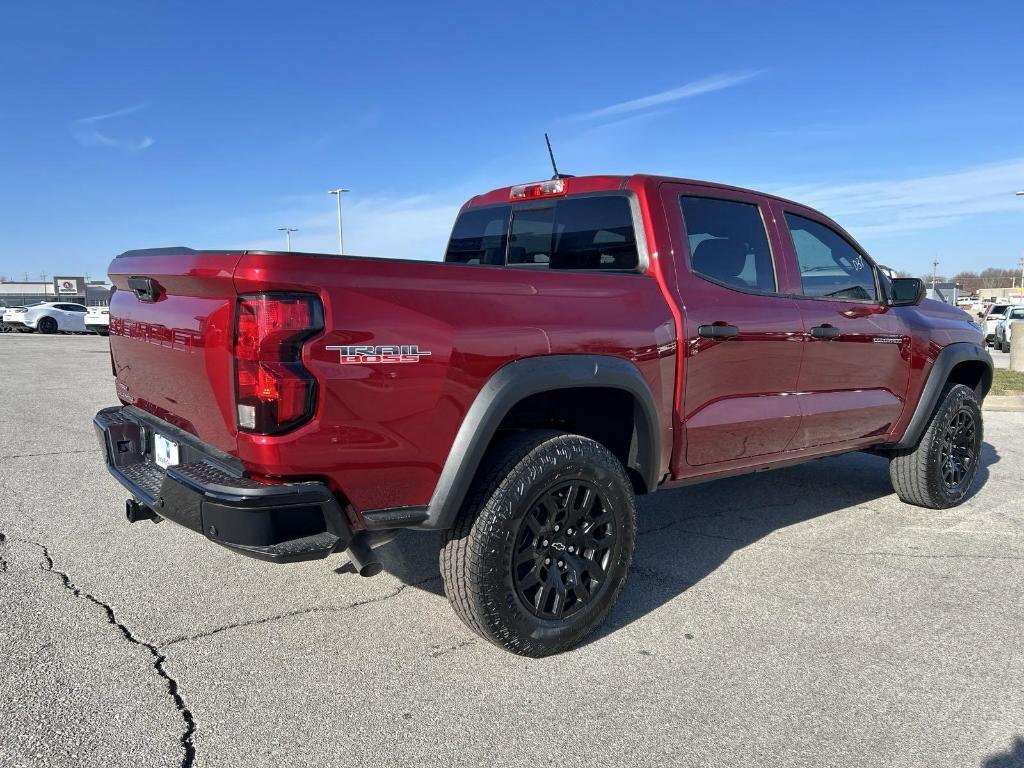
x=728, y=244
x=830, y=267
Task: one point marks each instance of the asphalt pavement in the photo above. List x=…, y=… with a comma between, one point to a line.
x=802, y=617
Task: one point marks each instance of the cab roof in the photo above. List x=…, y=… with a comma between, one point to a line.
x=602, y=183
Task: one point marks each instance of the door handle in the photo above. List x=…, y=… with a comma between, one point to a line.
x=825, y=332
x=144, y=288
x=718, y=331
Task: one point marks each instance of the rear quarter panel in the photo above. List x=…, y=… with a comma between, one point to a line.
x=383, y=431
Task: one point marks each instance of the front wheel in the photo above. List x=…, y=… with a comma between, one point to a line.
x=541, y=548
x=939, y=472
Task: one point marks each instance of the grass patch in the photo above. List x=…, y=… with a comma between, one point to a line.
x=1006, y=382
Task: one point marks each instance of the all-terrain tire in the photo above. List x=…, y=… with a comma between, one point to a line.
x=938, y=473
x=515, y=517
x=46, y=325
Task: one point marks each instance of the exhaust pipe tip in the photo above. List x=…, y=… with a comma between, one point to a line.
x=363, y=560
x=370, y=569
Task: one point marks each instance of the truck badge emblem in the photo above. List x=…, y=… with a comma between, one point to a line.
x=389, y=353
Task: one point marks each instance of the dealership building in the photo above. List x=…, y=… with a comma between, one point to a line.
x=75, y=289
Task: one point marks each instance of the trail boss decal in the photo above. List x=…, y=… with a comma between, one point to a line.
x=395, y=353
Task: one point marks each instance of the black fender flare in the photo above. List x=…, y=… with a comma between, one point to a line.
x=530, y=376
x=950, y=357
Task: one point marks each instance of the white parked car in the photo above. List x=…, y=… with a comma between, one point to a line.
x=12, y=318
x=97, y=320
x=1004, y=328
x=50, y=317
x=996, y=312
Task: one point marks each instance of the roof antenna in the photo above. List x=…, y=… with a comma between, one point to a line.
x=553, y=166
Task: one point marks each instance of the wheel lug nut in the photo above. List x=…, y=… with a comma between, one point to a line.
x=547, y=561
x=556, y=528
x=561, y=564
x=544, y=543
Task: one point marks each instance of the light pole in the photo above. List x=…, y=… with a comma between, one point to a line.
x=341, y=238
x=1021, y=194
x=288, y=235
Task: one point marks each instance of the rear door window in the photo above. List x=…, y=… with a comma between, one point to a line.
x=593, y=233
x=728, y=244
x=830, y=267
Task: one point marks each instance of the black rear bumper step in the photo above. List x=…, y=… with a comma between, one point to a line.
x=210, y=494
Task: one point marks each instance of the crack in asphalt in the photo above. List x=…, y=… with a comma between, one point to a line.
x=292, y=614
x=438, y=650
x=159, y=659
x=51, y=453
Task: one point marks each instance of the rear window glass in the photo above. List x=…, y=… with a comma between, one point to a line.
x=568, y=233
x=480, y=236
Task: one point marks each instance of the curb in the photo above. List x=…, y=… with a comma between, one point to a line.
x=1003, y=403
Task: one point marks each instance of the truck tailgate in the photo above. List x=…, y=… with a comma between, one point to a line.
x=171, y=347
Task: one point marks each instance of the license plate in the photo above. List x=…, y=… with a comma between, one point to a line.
x=165, y=452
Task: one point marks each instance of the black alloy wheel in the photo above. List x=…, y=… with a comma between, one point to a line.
x=563, y=549
x=940, y=470
x=960, y=447
x=541, y=548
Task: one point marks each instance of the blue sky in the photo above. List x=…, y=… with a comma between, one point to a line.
x=136, y=124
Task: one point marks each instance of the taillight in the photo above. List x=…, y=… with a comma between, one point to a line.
x=274, y=391
x=548, y=188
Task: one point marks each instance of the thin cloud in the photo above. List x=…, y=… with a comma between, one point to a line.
x=709, y=84
x=924, y=202
x=87, y=133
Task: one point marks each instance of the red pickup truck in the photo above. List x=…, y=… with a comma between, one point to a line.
x=585, y=340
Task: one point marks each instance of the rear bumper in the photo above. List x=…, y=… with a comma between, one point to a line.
x=209, y=493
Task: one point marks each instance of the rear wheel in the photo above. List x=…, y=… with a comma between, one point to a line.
x=543, y=543
x=939, y=472
x=46, y=325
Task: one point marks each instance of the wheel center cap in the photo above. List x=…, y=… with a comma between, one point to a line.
x=559, y=545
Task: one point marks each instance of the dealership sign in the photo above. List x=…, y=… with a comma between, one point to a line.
x=68, y=286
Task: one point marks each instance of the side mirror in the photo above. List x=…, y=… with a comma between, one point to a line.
x=907, y=292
